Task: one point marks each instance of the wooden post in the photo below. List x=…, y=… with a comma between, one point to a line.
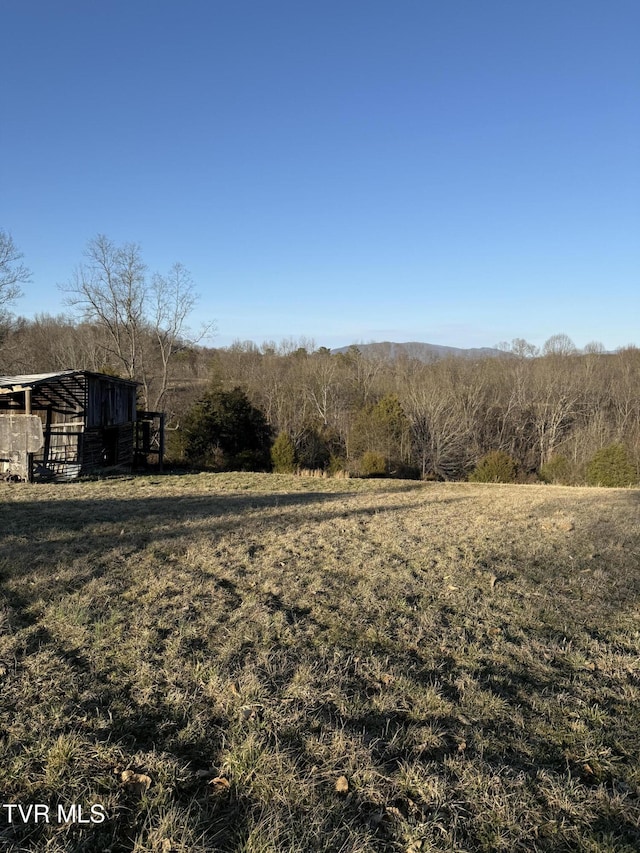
x=161, y=442
x=28, y=457
x=47, y=437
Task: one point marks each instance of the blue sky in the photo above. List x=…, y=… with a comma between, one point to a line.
x=455, y=172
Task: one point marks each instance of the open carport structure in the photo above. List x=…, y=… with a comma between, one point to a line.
x=61, y=425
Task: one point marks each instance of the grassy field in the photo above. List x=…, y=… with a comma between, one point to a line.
x=254, y=663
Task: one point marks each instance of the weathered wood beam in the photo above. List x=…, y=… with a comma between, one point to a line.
x=47, y=436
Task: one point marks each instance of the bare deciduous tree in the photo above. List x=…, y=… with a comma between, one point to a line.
x=560, y=344
x=144, y=324
x=173, y=298
x=109, y=289
x=13, y=272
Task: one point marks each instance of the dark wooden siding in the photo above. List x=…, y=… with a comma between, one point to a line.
x=109, y=402
x=112, y=446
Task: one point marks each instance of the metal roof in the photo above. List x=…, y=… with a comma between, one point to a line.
x=29, y=380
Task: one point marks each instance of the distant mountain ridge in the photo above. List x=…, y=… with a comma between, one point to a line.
x=420, y=351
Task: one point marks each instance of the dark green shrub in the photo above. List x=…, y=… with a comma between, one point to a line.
x=495, y=467
x=224, y=431
x=373, y=464
x=557, y=470
x=611, y=467
x=283, y=454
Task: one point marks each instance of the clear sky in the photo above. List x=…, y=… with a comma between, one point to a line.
x=456, y=172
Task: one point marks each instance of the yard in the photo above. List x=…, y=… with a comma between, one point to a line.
x=252, y=663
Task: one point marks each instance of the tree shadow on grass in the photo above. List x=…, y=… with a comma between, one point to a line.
x=31, y=519
x=42, y=537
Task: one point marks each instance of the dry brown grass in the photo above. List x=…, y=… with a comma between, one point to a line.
x=465, y=656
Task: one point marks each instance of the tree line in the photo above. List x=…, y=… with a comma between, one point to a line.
x=548, y=413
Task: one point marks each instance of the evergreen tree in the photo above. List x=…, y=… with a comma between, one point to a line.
x=283, y=454
x=611, y=467
x=224, y=431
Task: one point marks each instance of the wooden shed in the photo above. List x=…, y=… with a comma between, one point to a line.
x=62, y=425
